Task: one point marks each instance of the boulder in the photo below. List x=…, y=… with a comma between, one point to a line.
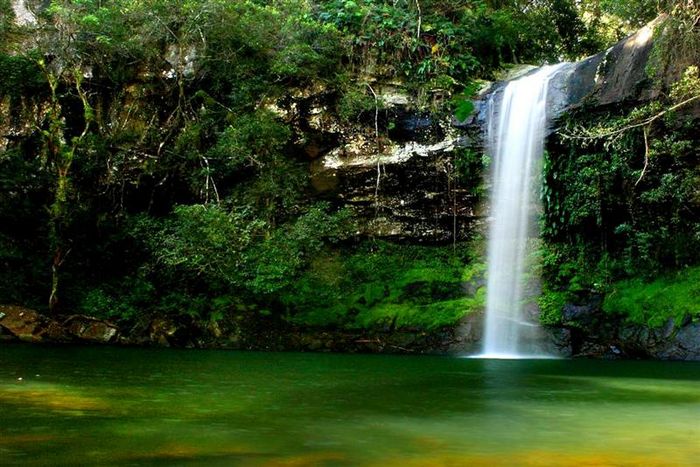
x=21, y=323
x=170, y=332
x=162, y=331
x=89, y=329
x=30, y=326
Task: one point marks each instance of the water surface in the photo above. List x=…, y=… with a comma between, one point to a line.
x=167, y=407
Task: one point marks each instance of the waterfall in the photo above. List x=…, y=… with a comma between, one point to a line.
x=516, y=129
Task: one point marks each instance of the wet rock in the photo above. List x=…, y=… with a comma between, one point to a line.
x=637, y=341
x=669, y=329
x=467, y=336
x=30, y=326
x=89, y=329
x=168, y=332
x=416, y=127
x=531, y=309
x=583, y=315
x=593, y=334
x=685, y=345
x=56, y=332
x=162, y=331
x=689, y=338
x=6, y=335
x=621, y=74
x=593, y=349
x=615, y=76
x=557, y=341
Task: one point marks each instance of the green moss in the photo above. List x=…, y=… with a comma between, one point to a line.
x=428, y=316
x=652, y=303
x=385, y=285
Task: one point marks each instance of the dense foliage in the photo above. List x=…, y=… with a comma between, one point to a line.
x=622, y=207
x=154, y=174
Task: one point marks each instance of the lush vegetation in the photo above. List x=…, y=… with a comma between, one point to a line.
x=390, y=286
x=672, y=296
x=622, y=216
x=152, y=172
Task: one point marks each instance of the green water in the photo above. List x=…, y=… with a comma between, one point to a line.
x=166, y=407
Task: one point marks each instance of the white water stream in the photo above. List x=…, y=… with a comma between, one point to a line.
x=516, y=129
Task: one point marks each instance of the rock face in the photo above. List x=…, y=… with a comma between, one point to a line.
x=25, y=11
x=405, y=194
x=588, y=331
x=466, y=339
x=400, y=181
x=616, y=76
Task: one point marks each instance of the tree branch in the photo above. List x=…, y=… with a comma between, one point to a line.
x=420, y=20
x=625, y=128
x=376, y=140
x=646, y=155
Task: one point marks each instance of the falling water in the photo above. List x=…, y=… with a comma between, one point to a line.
x=516, y=138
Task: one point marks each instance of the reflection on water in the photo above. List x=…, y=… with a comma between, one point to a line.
x=144, y=407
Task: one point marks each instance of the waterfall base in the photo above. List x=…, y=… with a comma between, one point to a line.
x=510, y=356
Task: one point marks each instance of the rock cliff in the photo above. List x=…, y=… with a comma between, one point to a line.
x=399, y=177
